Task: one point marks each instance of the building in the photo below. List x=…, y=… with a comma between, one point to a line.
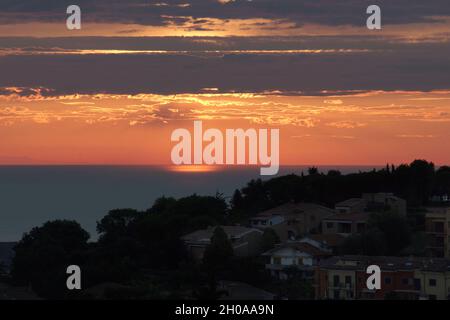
x=245, y=241
x=345, y=223
x=433, y=279
x=437, y=227
x=383, y=201
x=372, y=202
x=300, y=257
x=353, y=205
x=292, y=220
x=405, y=278
x=443, y=199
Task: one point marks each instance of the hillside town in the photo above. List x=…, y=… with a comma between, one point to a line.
x=303, y=248
x=310, y=237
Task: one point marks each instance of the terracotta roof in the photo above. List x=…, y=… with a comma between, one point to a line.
x=386, y=263
x=296, y=208
x=331, y=239
x=349, y=217
x=301, y=247
x=350, y=202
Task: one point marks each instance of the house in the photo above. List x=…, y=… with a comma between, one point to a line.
x=437, y=227
x=353, y=205
x=440, y=199
x=292, y=220
x=296, y=256
x=345, y=224
x=433, y=279
x=372, y=202
x=406, y=278
x=245, y=241
x=383, y=201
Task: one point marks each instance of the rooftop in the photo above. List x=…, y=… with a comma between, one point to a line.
x=301, y=247
x=296, y=208
x=205, y=235
x=386, y=263
x=349, y=202
x=331, y=239
x=353, y=217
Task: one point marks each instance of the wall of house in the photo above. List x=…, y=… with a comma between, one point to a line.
x=335, y=227
x=248, y=245
x=341, y=291
x=399, y=280
x=439, y=288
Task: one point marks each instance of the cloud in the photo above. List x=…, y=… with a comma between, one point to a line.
x=346, y=124
x=416, y=136
x=171, y=73
x=297, y=12
x=333, y=101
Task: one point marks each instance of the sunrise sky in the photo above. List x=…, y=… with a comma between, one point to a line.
x=112, y=92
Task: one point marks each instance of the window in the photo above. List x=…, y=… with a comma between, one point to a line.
x=344, y=228
x=387, y=280
x=405, y=281
x=432, y=282
x=348, y=280
x=417, y=284
x=276, y=260
x=360, y=227
x=432, y=297
x=336, y=294
x=336, y=280
x=330, y=225
x=439, y=227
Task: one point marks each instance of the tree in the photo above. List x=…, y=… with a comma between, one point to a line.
x=43, y=254
x=269, y=239
x=442, y=186
x=395, y=229
x=219, y=252
x=116, y=223
x=216, y=259
x=371, y=243
x=236, y=200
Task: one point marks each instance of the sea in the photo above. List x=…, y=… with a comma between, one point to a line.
x=32, y=195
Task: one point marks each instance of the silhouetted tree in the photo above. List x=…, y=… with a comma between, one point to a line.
x=269, y=239
x=44, y=253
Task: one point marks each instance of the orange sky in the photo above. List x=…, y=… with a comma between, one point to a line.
x=370, y=128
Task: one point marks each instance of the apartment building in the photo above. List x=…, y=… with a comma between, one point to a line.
x=292, y=220
x=245, y=241
x=300, y=256
x=370, y=202
x=434, y=279
x=406, y=278
x=437, y=227
x=345, y=224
